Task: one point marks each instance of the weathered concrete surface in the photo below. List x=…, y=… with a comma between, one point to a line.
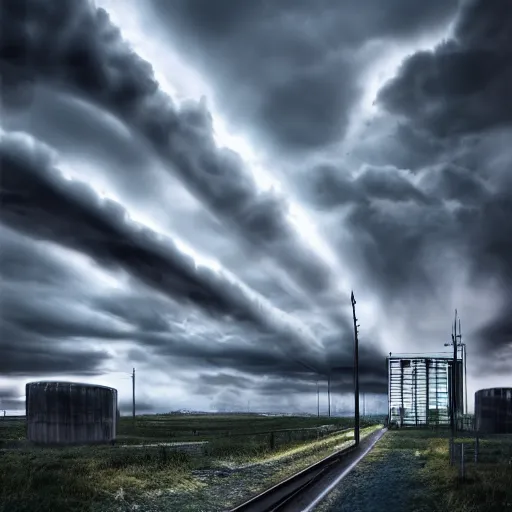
x=493, y=411
x=70, y=413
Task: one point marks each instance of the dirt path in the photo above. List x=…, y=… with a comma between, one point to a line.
x=388, y=481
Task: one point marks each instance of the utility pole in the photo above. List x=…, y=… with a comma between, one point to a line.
x=463, y=345
x=318, y=399
x=133, y=394
x=356, y=371
x=329, y=395
x=454, y=378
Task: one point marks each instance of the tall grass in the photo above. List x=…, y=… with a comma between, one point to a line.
x=99, y=478
x=487, y=487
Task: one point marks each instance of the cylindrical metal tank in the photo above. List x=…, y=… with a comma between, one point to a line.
x=70, y=413
x=493, y=411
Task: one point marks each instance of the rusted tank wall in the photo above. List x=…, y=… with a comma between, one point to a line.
x=493, y=410
x=70, y=413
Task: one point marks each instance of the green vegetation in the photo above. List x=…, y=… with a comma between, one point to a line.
x=409, y=470
x=188, y=427
x=11, y=430
x=105, y=478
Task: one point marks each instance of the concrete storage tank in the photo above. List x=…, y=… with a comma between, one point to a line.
x=493, y=411
x=70, y=413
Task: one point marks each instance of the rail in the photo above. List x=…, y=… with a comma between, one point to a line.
x=279, y=497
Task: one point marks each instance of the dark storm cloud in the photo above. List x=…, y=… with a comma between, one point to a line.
x=41, y=317
x=29, y=276
x=11, y=399
x=255, y=358
x=33, y=326
x=392, y=221
x=327, y=187
x=41, y=202
x=455, y=98
x=37, y=200
x=193, y=346
x=342, y=381
x=142, y=407
x=24, y=354
x=463, y=86
x=55, y=319
x=13, y=404
x=85, y=53
x=26, y=263
x=289, y=67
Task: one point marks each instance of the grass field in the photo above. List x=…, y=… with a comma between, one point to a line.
x=205, y=427
x=105, y=478
x=409, y=471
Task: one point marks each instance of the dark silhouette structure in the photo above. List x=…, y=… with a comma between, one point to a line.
x=493, y=411
x=356, y=371
x=70, y=413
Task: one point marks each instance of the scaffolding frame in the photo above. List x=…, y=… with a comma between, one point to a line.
x=419, y=391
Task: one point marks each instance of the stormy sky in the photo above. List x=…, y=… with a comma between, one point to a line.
x=193, y=188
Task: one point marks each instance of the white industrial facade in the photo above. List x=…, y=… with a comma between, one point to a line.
x=419, y=391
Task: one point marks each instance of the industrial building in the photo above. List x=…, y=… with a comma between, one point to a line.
x=70, y=413
x=493, y=411
x=419, y=388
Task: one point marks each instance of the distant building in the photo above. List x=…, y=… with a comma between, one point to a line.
x=419, y=390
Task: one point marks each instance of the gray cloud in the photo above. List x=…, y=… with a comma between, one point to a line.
x=462, y=86
x=421, y=198
x=289, y=68
x=87, y=56
x=52, y=336
x=40, y=202
x=25, y=354
x=431, y=198
x=327, y=187
x=454, y=99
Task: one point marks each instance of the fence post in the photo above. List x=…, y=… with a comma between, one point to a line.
x=477, y=447
x=452, y=449
x=462, y=461
x=272, y=441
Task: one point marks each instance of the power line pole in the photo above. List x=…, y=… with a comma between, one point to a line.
x=463, y=345
x=454, y=378
x=318, y=399
x=329, y=395
x=356, y=371
x=133, y=394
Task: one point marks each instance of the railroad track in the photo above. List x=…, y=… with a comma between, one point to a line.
x=304, y=489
